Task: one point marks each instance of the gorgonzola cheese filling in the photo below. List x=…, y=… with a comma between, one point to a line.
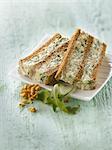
x=92, y=60
x=75, y=60
x=52, y=63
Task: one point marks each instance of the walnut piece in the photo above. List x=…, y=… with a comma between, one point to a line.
x=28, y=94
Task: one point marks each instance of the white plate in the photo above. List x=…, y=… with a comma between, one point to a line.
x=104, y=74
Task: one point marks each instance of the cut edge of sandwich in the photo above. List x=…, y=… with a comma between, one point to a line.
x=78, y=80
x=90, y=83
x=69, y=50
x=48, y=76
x=76, y=54
x=86, y=49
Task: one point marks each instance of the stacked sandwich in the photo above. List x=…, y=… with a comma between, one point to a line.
x=73, y=61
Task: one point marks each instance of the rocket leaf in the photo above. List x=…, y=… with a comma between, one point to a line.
x=56, y=99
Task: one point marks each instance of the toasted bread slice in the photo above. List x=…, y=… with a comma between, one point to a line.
x=71, y=67
x=92, y=62
x=26, y=65
x=45, y=72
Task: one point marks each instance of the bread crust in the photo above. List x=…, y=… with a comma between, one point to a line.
x=69, y=50
x=50, y=77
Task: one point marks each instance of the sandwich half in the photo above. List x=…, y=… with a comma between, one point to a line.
x=46, y=71
x=27, y=65
x=80, y=64
x=72, y=65
x=48, y=56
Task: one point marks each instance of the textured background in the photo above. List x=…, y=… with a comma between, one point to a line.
x=22, y=24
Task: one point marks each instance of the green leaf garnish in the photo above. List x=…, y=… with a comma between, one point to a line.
x=56, y=98
x=43, y=95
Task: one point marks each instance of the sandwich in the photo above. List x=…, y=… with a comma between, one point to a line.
x=81, y=61
x=29, y=65
x=75, y=61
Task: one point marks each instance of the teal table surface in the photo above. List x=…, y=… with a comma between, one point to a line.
x=22, y=25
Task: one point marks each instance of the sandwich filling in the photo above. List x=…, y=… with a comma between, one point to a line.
x=92, y=60
x=49, y=66
x=76, y=57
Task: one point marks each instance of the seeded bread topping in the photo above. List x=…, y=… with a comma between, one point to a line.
x=72, y=67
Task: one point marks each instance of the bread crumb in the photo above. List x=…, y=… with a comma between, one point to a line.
x=32, y=109
x=21, y=105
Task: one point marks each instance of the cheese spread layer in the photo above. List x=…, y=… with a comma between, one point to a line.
x=92, y=60
x=52, y=63
x=76, y=57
